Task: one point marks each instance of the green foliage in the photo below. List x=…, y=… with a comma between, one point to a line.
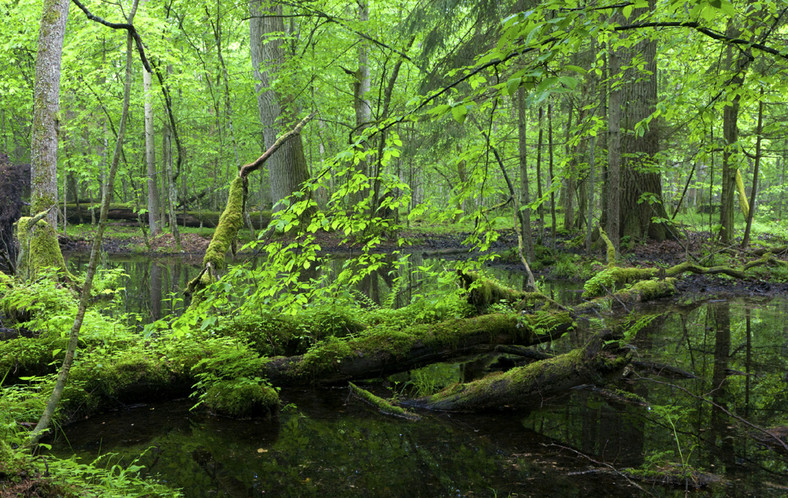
x=273, y=334
x=228, y=381
x=432, y=378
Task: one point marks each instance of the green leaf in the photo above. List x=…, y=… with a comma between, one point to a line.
x=627, y=11
x=459, y=113
x=512, y=85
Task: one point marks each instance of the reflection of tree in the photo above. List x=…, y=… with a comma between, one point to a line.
x=721, y=440
x=155, y=290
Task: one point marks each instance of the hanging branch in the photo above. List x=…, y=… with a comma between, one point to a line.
x=150, y=67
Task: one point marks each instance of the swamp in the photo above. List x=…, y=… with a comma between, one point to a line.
x=412, y=248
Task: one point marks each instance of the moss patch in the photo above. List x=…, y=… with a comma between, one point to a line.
x=243, y=397
x=385, y=407
x=39, y=249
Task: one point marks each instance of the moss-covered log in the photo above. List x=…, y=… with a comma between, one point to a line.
x=528, y=386
x=382, y=351
x=484, y=292
x=383, y=406
x=613, y=279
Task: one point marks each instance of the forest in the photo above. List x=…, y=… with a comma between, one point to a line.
x=402, y=248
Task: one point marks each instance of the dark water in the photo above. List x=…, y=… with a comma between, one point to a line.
x=153, y=286
x=325, y=443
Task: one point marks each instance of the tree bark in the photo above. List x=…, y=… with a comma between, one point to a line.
x=613, y=197
x=755, y=171
x=641, y=184
x=287, y=169
x=46, y=118
x=150, y=159
x=525, y=197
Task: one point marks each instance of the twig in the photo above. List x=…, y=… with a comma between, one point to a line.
x=746, y=422
x=604, y=464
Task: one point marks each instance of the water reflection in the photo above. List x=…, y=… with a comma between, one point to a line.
x=154, y=285
x=736, y=349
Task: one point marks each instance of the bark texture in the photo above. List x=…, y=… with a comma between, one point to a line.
x=641, y=185
x=43, y=138
x=287, y=169
x=529, y=386
x=150, y=159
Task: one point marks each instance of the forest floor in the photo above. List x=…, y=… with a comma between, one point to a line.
x=123, y=239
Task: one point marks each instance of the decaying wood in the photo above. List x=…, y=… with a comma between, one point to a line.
x=529, y=386
x=382, y=352
x=385, y=407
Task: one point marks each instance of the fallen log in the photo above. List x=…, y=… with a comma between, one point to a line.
x=529, y=386
x=613, y=278
x=385, y=407
x=382, y=351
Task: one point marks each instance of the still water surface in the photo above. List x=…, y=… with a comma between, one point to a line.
x=326, y=443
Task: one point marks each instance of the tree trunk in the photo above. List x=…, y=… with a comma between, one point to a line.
x=641, y=184
x=287, y=169
x=529, y=386
x=755, y=172
x=84, y=297
x=540, y=208
x=568, y=183
x=552, y=175
x=43, y=138
x=525, y=198
x=150, y=159
x=614, y=153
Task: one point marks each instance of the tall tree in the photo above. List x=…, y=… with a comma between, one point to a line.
x=46, y=121
x=641, y=182
x=150, y=158
x=287, y=168
x=84, y=298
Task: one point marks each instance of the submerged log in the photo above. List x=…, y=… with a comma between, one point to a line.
x=529, y=386
x=385, y=407
x=383, y=351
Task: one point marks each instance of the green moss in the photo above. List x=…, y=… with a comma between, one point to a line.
x=39, y=249
x=230, y=222
x=324, y=357
x=381, y=404
x=612, y=279
x=241, y=397
x=528, y=385
x=274, y=334
x=385, y=344
x=26, y=356
x=100, y=380
x=646, y=290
